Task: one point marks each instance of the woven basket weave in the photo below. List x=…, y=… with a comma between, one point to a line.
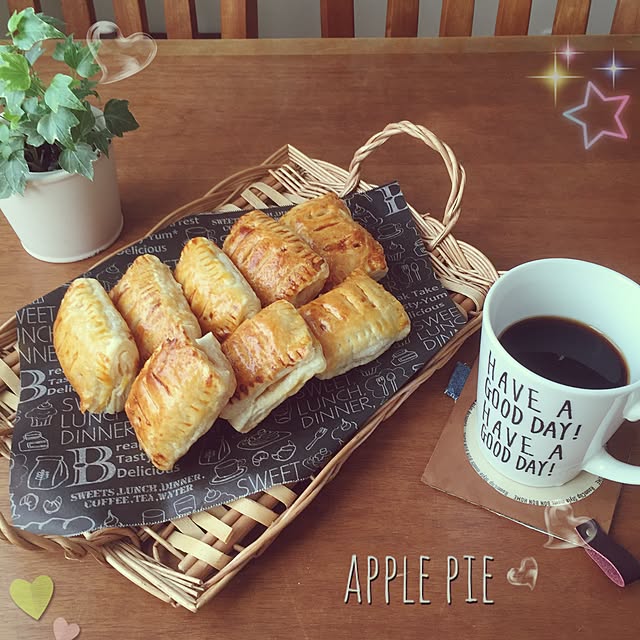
x=186, y=562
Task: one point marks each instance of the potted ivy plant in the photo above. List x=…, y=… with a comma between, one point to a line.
x=58, y=186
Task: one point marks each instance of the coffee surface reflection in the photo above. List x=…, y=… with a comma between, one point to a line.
x=567, y=352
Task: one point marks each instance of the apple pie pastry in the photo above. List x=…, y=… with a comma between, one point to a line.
x=326, y=224
x=95, y=347
x=272, y=354
x=277, y=263
x=153, y=305
x=178, y=395
x=217, y=292
x=355, y=323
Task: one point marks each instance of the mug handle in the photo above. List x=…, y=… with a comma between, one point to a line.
x=605, y=465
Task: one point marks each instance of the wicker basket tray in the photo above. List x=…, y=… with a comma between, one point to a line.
x=186, y=562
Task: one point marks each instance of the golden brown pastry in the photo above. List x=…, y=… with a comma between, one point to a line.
x=326, y=224
x=178, y=396
x=277, y=264
x=355, y=323
x=94, y=345
x=217, y=292
x=153, y=305
x=273, y=354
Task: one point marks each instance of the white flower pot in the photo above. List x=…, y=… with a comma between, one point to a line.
x=65, y=217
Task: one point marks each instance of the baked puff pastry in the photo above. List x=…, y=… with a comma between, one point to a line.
x=95, y=347
x=217, y=292
x=355, y=323
x=177, y=397
x=326, y=224
x=153, y=305
x=277, y=264
x=273, y=354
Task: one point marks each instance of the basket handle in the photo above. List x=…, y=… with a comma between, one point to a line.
x=455, y=169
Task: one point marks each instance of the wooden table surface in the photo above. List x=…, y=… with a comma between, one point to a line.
x=208, y=109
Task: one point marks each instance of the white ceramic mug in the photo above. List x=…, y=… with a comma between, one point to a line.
x=539, y=432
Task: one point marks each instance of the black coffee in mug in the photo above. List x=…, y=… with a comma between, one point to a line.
x=566, y=351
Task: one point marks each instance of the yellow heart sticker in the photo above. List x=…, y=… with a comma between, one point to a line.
x=32, y=597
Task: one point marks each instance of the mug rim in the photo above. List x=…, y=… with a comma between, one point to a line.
x=611, y=391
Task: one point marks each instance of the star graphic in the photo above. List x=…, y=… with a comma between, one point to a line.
x=555, y=77
x=568, y=52
x=618, y=132
x=613, y=68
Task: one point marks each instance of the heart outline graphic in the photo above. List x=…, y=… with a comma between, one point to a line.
x=130, y=65
x=526, y=575
x=32, y=597
x=63, y=630
x=560, y=523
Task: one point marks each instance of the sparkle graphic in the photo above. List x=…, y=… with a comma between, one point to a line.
x=555, y=77
x=613, y=68
x=617, y=132
x=568, y=52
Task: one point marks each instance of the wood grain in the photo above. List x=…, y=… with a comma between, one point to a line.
x=79, y=15
x=513, y=18
x=131, y=16
x=336, y=19
x=18, y=5
x=626, y=17
x=571, y=17
x=456, y=18
x=402, y=18
x=533, y=191
x=239, y=18
x=180, y=18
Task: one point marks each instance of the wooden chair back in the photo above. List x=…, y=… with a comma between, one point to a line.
x=239, y=18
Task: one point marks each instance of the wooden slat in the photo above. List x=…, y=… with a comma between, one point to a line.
x=180, y=18
x=79, y=15
x=626, y=18
x=19, y=5
x=513, y=18
x=336, y=19
x=456, y=18
x=239, y=18
x=131, y=16
x=571, y=17
x=402, y=18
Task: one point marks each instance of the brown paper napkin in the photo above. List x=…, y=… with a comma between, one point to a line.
x=451, y=471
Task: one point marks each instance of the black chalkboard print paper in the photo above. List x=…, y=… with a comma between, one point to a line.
x=74, y=472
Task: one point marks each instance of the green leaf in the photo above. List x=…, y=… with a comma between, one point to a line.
x=56, y=127
x=5, y=189
x=77, y=56
x=79, y=160
x=5, y=151
x=99, y=140
x=54, y=22
x=14, y=72
x=32, y=106
x=29, y=128
x=14, y=170
x=37, y=88
x=86, y=124
x=61, y=47
x=27, y=28
x=34, y=53
x=13, y=101
x=14, y=21
x=4, y=132
x=60, y=95
x=118, y=118
x=87, y=66
x=85, y=88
